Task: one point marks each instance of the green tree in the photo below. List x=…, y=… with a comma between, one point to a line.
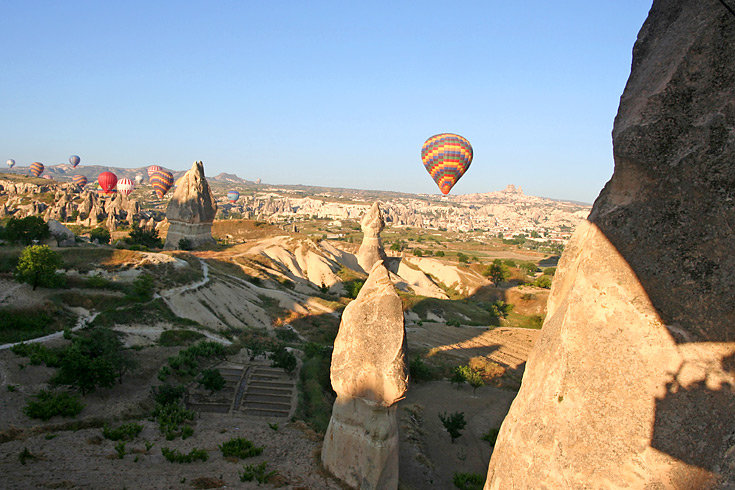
x=497, y=272
x=212, y=380
x=145, y=238
x=26, y=230
x=37, y=266
x=454, y=423
x=102, y=235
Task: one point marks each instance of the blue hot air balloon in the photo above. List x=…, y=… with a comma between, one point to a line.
x=233, y=196
x=74, y=160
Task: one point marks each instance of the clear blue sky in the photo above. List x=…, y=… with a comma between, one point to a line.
x=322, y=93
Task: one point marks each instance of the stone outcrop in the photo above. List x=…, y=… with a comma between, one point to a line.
x=191, y=210
x=63, y=235
x=371, y=249
x=632, y=382
x=369, y=374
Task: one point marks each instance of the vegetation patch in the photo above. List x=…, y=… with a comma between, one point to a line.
x=239, y=447
x=19, y=324
x=125, y=432
x=315, y=388
x=171, y=338
x=175, y=456
x=257, y=472
x=48, y=404
x=468, y=481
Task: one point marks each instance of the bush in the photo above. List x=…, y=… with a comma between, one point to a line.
x=174, y=456
x=469, y=481
x=417, y=252
x=542, y=282
x=315, y=388
x=550, y=271
x=212, y=380
x=47, y=404
x=144, y=238
x=37, y=266
x=142, y=288
x=258, y=472
x=471, y=376
x=418, y=370
x=353, y=287
x=454, y=423
x=167, y=394
x=439, y=253
x=39, y=353
x=102, y=235
x=500, y=309
x=282, y=358
x=239, y=447
x=462, y=258
x=126, y=432
x=497, y=272
x=491, y=435
x=172, y=420
x=185, y=244
x=26, y=230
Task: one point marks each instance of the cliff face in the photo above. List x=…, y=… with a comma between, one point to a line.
x=191, y=210
x=632, y=382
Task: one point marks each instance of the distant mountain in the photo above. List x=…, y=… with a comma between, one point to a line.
x=225, y=178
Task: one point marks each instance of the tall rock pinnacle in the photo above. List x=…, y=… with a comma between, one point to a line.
x=191, y=209
x=371, y=249
x=369, y=374
x=632, y=382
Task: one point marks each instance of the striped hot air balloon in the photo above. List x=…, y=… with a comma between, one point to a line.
x=446, y=157
x=153, y=168
x=74, y=160
x=79, y=180
x=125, y=187
x=233, y=196
x=10, y=163
x=162, y=180
x=107, y=181
x=37, y=168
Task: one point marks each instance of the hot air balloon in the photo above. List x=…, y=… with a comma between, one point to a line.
x=107, y=181
x=125, y=187
x=153, y=168
x=10, y=163
x=162, y=180
x=74, y=160
x=233, y=196
x=37, y=168
x=446, y=157
x=79, y=180
x=138, y=178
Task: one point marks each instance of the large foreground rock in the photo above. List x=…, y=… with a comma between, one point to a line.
x=631, y=384
x=191, y=210
x=369, y=375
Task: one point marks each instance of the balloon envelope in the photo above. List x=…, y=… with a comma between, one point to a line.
x=79, y=180
x=74, y=160
x=107, y=181
x=153, y=168
x=37, y=168
x=446, y=157
x=138, y=178
x=162, y=180
x=10, y=163
x=233, y=196
x=125, y=187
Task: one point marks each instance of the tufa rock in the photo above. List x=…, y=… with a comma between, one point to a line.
x=371, y=249
x=191, y=210
x=369, y=374
x=632, y=382
x=63, y=235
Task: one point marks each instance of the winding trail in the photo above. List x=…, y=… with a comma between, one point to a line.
x=187, y=287
x=82, y=322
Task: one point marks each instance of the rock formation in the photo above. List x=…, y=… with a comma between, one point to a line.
x=369, y=374
x=632, y=382
x=191, y=210
x=371, y=249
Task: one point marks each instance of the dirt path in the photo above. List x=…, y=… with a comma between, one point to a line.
x=83, y=320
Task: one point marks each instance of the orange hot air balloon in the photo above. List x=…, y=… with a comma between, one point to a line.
x=37, y=168
x=107, y=181
x=162, y=180
x=446, y=157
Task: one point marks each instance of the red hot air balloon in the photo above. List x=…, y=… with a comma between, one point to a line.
x=107, y=181
x=153, y=168
x=79, y=180
x=37, y=168
x=125, y=187
x=446, y=157
x=162, y=180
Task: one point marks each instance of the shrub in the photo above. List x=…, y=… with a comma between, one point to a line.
x=258, y=472
x=126, y=432
x=185, y=244
x=212, y=380
x=543, y=282
x=471, y=376
x=462, y=258
x=25, y=455
x=549, y=271
x=353, y=287
x=497, y=272
x=171, y=420
x=417, y=252
x=458, y=377
x=500, y=309
x=38, y=353
x=37, y=266
x=102, y=235
x=491, y=435
x=142, y=288
x=167, y=394
x=287, y=335
x=47, y=404
x=469, y=481
x=174, y=456
x=282, y=358
x=239, y=447
x=120, y=449
x=26, y=230
x=439, y=253
x=144, y=238
x=454, y=423
x=418, y=370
